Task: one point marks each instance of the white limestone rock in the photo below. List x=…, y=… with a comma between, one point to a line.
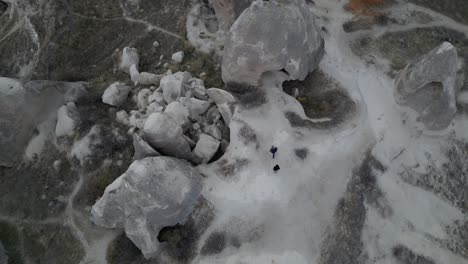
x=129, y=57
x=147, y=78
x=173, y=85
x=137, y=120
x=154, y=107
x=122, y=117
x=178, y=57
x=67, y=119
x=197, y=86
x=194, y=106
x=252, y=48
x=143, y=95
x=142, y=148
x=206, y=148
x=214, y=131
x=134, y=74
x=223, y=101
x=157, y=96
x=116, y=94
x=178, y=112
x=153, y=193
x=429, y=86
x=166, y=135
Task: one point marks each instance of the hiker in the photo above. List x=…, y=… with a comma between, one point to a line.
x=273, y=150
x=276, y=168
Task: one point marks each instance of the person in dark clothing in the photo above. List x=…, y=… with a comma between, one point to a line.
x=273, y=150
x=276, y=168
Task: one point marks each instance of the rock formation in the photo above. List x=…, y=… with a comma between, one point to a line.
x=272, y=36
x=429, y=86
x=153, y=193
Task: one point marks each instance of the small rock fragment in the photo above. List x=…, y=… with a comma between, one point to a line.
x=154, y=107
x=146, y=78
x=178, y=57
x=178, y=112
x=197, y=86
x=129, y=57
x=173, y=85
x=67, y=118
x=143, y=95
x=137, y=120
x=115, y=94
x=206, y=148
x=122, y=117
x=134, y=74
x=194, y=106
x=223, y=100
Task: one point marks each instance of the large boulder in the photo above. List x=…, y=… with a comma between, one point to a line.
x=429, y=86
x=272, y=36
x=153, y=193
x=164, y=134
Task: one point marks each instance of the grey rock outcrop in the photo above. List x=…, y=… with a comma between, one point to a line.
x=272, y=36
x=429, y=86
x=24, y=105
x=153, y=193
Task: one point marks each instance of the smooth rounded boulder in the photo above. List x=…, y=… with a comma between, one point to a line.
x=153, y=193
x=272, y=36
x=429, y=86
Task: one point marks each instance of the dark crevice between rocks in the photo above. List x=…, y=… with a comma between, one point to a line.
x=247, y=96
x=404, y=255
x=343, y=243
x=321, y=97
x=3, y=7
x=180, y=241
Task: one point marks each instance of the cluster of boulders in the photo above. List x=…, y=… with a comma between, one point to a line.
x=176, y=115
x=430, y=85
